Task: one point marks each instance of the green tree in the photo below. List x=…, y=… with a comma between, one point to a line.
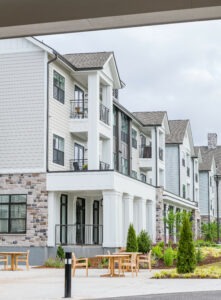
x=144, y=242
x=186, y=256
x=132, y=245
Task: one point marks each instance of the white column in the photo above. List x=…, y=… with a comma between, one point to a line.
x=141, y=215
x=112, y=219
x=128, y=214
x=93, y=121
x=154, y=155
x=51, y=218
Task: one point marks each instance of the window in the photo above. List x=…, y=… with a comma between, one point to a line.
x=13, y=213
x=124, y=128
x=134, y=174
x=184, y=191
x=58, y=150
x=134, y=138
x=124, y=166
x=58, y=87
x=143, y=177
x=183, y=159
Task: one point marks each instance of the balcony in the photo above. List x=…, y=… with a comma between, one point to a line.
x=188, y=171
x=78, y=165
x=161, y=153
x=104, y=166
x=79, y=109
x=145, y=151
x=78, y=234
x=104, y=114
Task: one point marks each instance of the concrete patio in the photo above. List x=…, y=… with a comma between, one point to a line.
x=49, y=284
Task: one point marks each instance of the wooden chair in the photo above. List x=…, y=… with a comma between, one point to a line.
x=130, y=264
x=4, y=259
x=23, y=258
x=79, y=262
x=145, y=259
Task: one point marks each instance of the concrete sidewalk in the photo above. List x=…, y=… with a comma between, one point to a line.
x=49, y=284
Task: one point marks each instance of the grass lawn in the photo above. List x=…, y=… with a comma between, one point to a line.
x=207, y=271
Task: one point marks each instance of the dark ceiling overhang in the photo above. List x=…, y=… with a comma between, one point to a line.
x=38, y=17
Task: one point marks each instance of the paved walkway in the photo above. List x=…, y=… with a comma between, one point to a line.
x=49, y=284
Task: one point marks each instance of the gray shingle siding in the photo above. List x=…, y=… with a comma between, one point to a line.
x=172, y=168
x=203, y=193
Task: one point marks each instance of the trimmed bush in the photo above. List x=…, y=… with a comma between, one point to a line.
x=168, y=257
x=60, y=253
x=131, y=240
x=144, y=242
x=186, y=257
x=199, y=255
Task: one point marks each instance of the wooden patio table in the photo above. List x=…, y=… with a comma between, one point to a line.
x=129, y=255
x=13, y=256
x=112, y=258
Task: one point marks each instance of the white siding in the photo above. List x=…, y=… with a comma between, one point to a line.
x=172, y=169
x=22, y=108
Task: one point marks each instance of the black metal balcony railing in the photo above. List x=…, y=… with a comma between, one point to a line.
x=188, y=171
x=78, y=164
x=78, y=234
x=196, y=177
x=104, y=114
x=145, y=151
x=104, y=166
x=82, y=165
x=79, y=109
x=160, y=153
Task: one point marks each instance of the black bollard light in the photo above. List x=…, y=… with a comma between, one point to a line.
x=67, y=280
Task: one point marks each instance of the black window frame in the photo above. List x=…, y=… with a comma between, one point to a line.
x=58, y=155
x=134, y=138
x=58, y=91
x=10, y=204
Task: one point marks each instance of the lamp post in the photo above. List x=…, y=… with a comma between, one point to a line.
x=217, y=205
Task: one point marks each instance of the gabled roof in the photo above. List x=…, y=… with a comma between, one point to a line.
x=87, y=61
x=216, y=153
x=207, y=156
x=150, y=118
x=177, y=131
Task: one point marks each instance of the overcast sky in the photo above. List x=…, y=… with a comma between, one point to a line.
x=176, y=68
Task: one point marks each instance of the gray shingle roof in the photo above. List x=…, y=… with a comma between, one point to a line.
x=150, y=118
x=207, y=158
x=88, y=60
x=177, y=131
x=216, y=153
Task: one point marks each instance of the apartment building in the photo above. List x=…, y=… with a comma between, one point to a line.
x=70, y=153
x=182, y=173
x=210, y=175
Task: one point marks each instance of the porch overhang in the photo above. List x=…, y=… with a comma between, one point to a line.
x=54, y=16
x=173, y=199
x=99, y=181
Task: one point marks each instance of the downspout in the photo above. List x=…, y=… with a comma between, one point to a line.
x=179, y=162
x=193, y=180
x=217, y=204
x=156, y=156
x=47, y=129
x=208, y=199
